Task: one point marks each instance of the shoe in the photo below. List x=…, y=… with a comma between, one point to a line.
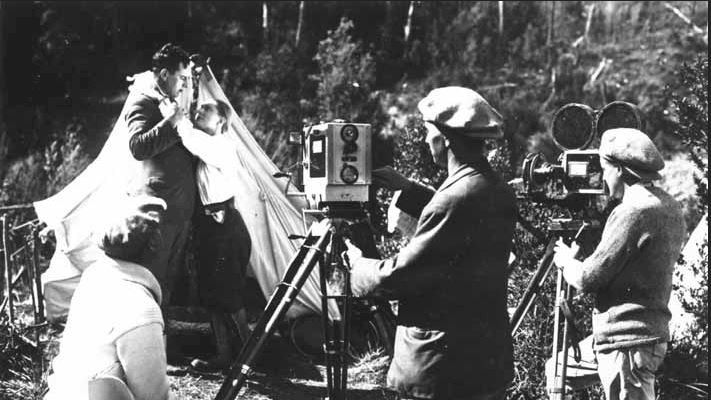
x=212, y=365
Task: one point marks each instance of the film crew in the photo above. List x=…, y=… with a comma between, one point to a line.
x=165, y=166
x=630, y=271
x=224, y=243
x=112, y=346
x=453, y=339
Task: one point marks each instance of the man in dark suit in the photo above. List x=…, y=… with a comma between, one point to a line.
x=166, y=167
x=453, y=339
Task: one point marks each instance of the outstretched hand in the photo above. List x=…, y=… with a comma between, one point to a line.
x=388, y=178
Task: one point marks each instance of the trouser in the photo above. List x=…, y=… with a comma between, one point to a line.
x=167, y=261
x=625, y=374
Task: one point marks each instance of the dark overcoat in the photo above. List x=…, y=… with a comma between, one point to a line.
x=166, y=170
x=453, y=337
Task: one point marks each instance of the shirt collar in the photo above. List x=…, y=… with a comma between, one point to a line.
x=135, y=273
x=636, y=192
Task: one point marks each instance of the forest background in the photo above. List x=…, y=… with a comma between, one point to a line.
x=285, y=64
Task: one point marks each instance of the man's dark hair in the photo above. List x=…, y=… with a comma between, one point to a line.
x=169, y=57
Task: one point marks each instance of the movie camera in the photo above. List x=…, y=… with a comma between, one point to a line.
x=336, y=162
x=575, y=127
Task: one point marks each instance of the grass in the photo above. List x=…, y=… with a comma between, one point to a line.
x=281, y=373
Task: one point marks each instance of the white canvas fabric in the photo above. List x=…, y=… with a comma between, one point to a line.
x=269, y=213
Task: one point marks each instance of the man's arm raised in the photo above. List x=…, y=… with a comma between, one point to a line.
x=148, y=141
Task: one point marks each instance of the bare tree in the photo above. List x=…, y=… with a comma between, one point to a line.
x=3, y=134
x=501, y=18
x=408, y=25
x=551, y=32
x=300, y=25
x=265, y=22
x=588, y=22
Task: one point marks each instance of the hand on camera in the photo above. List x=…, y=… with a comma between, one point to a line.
x=388, y=178
x=564, y=253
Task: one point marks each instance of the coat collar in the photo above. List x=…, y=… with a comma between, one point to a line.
x=466, y=170
x=145, y=84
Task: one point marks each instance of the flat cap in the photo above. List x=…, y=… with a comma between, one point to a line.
x=634, y=151
x=461, y=111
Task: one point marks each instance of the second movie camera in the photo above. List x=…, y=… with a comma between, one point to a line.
x=574, y=128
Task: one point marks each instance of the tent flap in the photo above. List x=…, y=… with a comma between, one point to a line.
x=271, y=216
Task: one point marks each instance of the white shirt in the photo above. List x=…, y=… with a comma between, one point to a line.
x=114, y=328
x=217, y=170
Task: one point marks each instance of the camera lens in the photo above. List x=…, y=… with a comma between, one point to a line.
x=349, y=133
x=349, y=174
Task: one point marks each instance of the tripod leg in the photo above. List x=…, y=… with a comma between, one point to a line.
x=327, y=331
x=345, y=332
x=566, y=340
x=299, y=270
x=557, y=392
x=534, y=287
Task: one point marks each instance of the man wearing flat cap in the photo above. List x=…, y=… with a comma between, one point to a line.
x=630, y=271
x=453, y=339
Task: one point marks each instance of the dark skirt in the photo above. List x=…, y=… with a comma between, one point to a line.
x=223, y=254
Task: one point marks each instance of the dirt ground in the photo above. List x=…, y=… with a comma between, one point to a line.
x=283, y=373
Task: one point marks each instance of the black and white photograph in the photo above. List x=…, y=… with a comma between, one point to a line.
x=354, y=200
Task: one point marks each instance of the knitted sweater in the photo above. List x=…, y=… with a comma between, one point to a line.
x=631, y=269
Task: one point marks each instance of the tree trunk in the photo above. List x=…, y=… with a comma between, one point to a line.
x=300, y=25
x=3, y=134
x=501, y=18
x=408, y=25
x=588, y=22
x=551, y=33
x=265, y=22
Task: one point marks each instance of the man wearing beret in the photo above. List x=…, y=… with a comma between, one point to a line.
x=630, y=271
x=453, y=339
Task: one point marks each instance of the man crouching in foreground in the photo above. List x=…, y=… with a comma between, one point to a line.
x=453, y=339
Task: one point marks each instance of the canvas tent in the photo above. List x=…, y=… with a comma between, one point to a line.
x=270, y=214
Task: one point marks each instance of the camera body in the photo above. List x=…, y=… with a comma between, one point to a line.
x=337, y=162
x=578, y=171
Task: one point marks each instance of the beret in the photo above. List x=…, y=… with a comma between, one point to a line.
x=633, y=150
x=461, y=111
x=134, y=230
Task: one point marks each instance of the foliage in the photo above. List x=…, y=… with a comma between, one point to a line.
x=692, y=109
x=44, y=173
x=687, y=365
